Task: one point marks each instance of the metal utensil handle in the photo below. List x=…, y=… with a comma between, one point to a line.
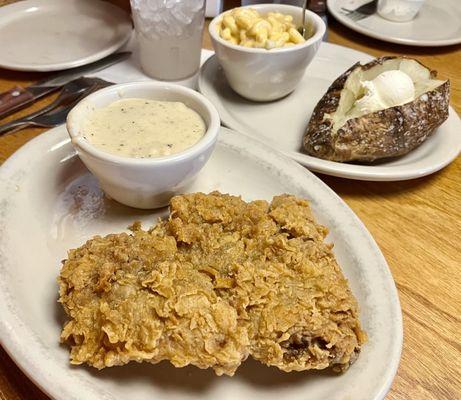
x=18, y=97
x=15, y=125
x=22, y=122
x=303, y=23
x=62, y=100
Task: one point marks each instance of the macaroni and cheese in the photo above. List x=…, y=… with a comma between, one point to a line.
x=247, y=27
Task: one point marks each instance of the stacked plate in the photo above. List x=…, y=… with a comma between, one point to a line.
x=50, y=35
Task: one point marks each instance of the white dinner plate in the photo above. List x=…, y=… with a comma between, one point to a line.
x=281, y=124
x=49, y=202
x=438, y=23
x=50, y=35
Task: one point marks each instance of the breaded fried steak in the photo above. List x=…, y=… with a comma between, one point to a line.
x=219, y=280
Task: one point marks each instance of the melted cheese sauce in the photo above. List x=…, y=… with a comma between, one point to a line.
x=144, y=128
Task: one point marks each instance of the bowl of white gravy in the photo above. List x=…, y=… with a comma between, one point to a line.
x=144, y=141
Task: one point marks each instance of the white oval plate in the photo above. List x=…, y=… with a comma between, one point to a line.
x=49, y=202
x=50, y=35
x=436, y=24
x=281, y=124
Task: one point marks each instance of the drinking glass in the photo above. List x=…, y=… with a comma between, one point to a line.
x=169, y=33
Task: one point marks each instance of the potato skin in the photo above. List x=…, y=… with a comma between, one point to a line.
x=392, y=132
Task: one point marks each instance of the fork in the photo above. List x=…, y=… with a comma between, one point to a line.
x=47, y=117
x=303, y=19
x=364, y=11
x=57, y=115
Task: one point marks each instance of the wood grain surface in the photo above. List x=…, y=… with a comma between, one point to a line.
x=416, y=223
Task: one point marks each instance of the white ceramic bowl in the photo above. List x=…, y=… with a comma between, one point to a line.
x=265, y=75
x=144, y=183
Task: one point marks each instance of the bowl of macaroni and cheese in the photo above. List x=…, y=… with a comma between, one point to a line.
x=144, y=141
x=261, y=51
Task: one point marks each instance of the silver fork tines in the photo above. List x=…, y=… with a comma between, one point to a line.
x=361, y=12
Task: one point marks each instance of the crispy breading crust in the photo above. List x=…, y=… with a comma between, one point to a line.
x=219, y=280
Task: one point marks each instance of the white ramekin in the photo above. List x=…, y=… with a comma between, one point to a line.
x=399, y=10
x=136, y=182
x=265, y=75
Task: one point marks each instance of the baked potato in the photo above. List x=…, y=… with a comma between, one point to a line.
x=384, y=108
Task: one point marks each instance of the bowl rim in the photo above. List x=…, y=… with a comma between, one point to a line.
x=73, y=124
x=320, y=29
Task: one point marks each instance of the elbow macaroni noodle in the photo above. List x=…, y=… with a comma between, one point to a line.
x=246, y=27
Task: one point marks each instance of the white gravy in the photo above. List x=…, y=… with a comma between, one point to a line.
x=144, y=128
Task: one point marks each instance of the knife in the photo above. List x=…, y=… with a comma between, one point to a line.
x=18, y=97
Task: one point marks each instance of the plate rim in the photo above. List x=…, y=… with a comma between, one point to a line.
x=332, y=168
x=105, y=6
x=48, y=384
x=364, y=31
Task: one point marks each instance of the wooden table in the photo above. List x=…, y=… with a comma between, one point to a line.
x=416, y=223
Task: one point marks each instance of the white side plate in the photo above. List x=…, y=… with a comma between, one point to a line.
x=438, y=23
x=281, y=124
x=49, y=203
x=50, y=35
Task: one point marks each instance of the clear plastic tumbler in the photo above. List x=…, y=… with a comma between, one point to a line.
x=169, y=33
